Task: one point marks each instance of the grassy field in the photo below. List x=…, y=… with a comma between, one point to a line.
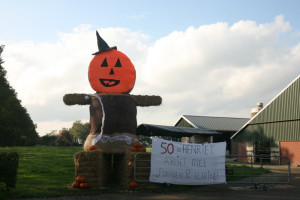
x=46, y=171
x=43, y=171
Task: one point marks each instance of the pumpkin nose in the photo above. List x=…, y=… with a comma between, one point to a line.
x=111, y=72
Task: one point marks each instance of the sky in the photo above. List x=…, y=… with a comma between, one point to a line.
x=205, y=58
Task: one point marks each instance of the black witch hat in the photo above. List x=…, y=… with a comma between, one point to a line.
x=102, y=45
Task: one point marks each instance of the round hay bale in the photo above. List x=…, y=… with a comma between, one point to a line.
x=111, y=145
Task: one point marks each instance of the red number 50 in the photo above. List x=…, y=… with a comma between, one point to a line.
x=167, y=148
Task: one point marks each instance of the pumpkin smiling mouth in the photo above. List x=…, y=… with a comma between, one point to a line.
x=109, y=82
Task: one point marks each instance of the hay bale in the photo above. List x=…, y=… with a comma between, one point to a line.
x=101, y=168
x=123, y=168
x=85, y=99
x=119, y=114
x=113, y=147
x=145, y=100
x=93, y=165
x=79, y=99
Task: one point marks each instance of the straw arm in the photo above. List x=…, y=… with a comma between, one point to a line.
x=145, y=100
x=77, y=99
x=85, y=99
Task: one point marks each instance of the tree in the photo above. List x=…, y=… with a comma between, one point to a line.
x=80, y=131
x=16, y=126
x=49, y=138
x=145, y=140
x=66, y=133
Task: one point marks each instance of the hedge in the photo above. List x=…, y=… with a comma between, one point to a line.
x=9, y=162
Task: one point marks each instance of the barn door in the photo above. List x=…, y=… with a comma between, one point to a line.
x=262, y=150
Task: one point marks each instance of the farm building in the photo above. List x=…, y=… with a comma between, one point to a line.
x=176, y=133
x=275, y=130
x=226, y=125
x=62, y=141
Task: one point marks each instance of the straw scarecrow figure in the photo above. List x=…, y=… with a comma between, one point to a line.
x=112, y=118
x=112, y=109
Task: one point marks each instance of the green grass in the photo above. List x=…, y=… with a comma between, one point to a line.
x=43, y=171
x=46, y=171
x=242, y=171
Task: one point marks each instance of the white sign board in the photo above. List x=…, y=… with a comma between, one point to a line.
x=187, y=163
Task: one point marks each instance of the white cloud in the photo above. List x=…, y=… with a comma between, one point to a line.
x=214, y=69
x=222, y=69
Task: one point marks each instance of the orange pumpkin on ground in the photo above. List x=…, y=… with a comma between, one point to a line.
x=133, y=149
x=84, y=185
x=142, y=149
x=133, y=184
x=137, y=144
x=75, y=185
x=80, y=179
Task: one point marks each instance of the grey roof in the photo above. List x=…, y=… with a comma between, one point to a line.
x=62, y=138
x=216, y=123
x=160, y=130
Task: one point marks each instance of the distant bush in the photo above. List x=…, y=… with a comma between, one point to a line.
x=9, y=163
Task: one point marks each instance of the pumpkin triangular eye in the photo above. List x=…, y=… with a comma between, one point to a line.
x=118, y=64
x=104, y=63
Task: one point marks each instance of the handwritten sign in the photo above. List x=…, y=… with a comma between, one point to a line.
x=187, y=163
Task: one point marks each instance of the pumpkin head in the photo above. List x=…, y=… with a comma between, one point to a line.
x=111, y=71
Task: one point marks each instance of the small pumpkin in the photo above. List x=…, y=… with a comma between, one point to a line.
x=133, y=149
x=137, y=145
x=92, y=148
x=133, y=184
x=75, y=185
x=84, y=185
x=142, y=149
x=80, y=179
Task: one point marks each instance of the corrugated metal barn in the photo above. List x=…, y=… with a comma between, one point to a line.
x=275, y=130
x=226, y=125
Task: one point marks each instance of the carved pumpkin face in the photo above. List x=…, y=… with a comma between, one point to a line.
x=111, y=72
